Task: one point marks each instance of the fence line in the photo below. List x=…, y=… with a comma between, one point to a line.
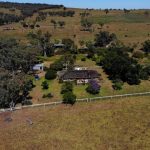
x=78, y=100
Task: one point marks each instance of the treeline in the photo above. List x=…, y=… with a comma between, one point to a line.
x=117, y=60
x=16, y=61
x=43, y=15
x=27, y=10
x=9, y=18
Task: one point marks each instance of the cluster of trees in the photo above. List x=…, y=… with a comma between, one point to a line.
x=15, y=63
x=103, y=38
x=116, y=60
x=28, y=9
x=84, y=14
x=43, y=42
x=121, y=67
x=70, y=46
x=126, y=11
x=43, y=15
x=86, y=24
x=67, y=91
x=93, y=87
x=29, y=25
x=65, y=62
x=146, y=47
x=60, y=23
x=9, y=18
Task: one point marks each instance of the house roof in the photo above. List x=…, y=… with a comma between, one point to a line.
x=59, y=45
x=80, y=74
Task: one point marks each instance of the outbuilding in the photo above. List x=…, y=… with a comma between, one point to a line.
x=38, y=67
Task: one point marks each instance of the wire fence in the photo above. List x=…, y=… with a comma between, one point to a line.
x=78, y=100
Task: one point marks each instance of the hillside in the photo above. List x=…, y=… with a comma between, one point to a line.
x=131, y=28
x=114, y=43
x=118, y=125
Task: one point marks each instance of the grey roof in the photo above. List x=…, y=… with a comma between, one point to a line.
x=80, y=74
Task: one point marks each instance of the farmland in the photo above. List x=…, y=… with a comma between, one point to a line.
x=118, y=124
x=51, y=53
x=135, y=25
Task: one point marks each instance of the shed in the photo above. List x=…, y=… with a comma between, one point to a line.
x=38, y=67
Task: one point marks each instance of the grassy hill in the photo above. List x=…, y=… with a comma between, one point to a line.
x=131, y=28
x=118, y=125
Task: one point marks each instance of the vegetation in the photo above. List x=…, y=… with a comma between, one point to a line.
x=69, y=98
x=97, y=125
x=15, y=62
x=93, y=87
x=104, y=49
x=146, y=47
x=118, y=85
x=104, y=38
x=45, y=85
x=49, y=95
x=67, y=87
x=50, y=74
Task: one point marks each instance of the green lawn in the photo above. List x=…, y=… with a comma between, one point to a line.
x=80, y=90
x=126, y=18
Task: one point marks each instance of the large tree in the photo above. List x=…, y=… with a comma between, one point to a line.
x=104, y=38
x=146, y=46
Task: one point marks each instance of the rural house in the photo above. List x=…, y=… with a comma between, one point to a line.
x=80, y=76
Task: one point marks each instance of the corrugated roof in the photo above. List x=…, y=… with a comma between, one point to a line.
x=80, y=74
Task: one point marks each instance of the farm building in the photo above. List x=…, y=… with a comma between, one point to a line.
x=80, y=68
x=80, y=76
x=58, y=45
x=38, y=67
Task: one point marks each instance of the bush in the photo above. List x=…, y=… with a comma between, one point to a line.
x=83, y=59
x=27, y=102
x=67, y=87
x=50, y=74
x=49, y=95
x=118, y=85
x=69, y=98
x=37, y=25
x=146, y=46
x=145, y=73
x=93, y=87
x=138, y=54
x=45, y=85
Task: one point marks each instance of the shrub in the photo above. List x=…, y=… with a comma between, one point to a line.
x=145, y=73
x=146, y=46
x=138, y=54
x=118, y=85
x=67, y=87
x=45, y=85
x=49, y=95
x=27, y=102
x=37, y=25
x=50, y=74
x=69, y=98
x=83, y=59
x=93, y=87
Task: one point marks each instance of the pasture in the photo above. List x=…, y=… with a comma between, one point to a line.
x=119, y=124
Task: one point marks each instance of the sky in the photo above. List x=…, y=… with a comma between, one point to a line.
x=130, y=4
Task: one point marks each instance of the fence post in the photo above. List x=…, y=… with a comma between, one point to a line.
x=87, y=100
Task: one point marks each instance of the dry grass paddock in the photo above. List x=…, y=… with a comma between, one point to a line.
x=130, y=28
x=118, y=125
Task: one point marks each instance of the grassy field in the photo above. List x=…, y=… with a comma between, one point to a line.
x=120, y=124
x=80, y=90
x=135, y=25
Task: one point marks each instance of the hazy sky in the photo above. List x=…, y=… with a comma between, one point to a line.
x=94, y=3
